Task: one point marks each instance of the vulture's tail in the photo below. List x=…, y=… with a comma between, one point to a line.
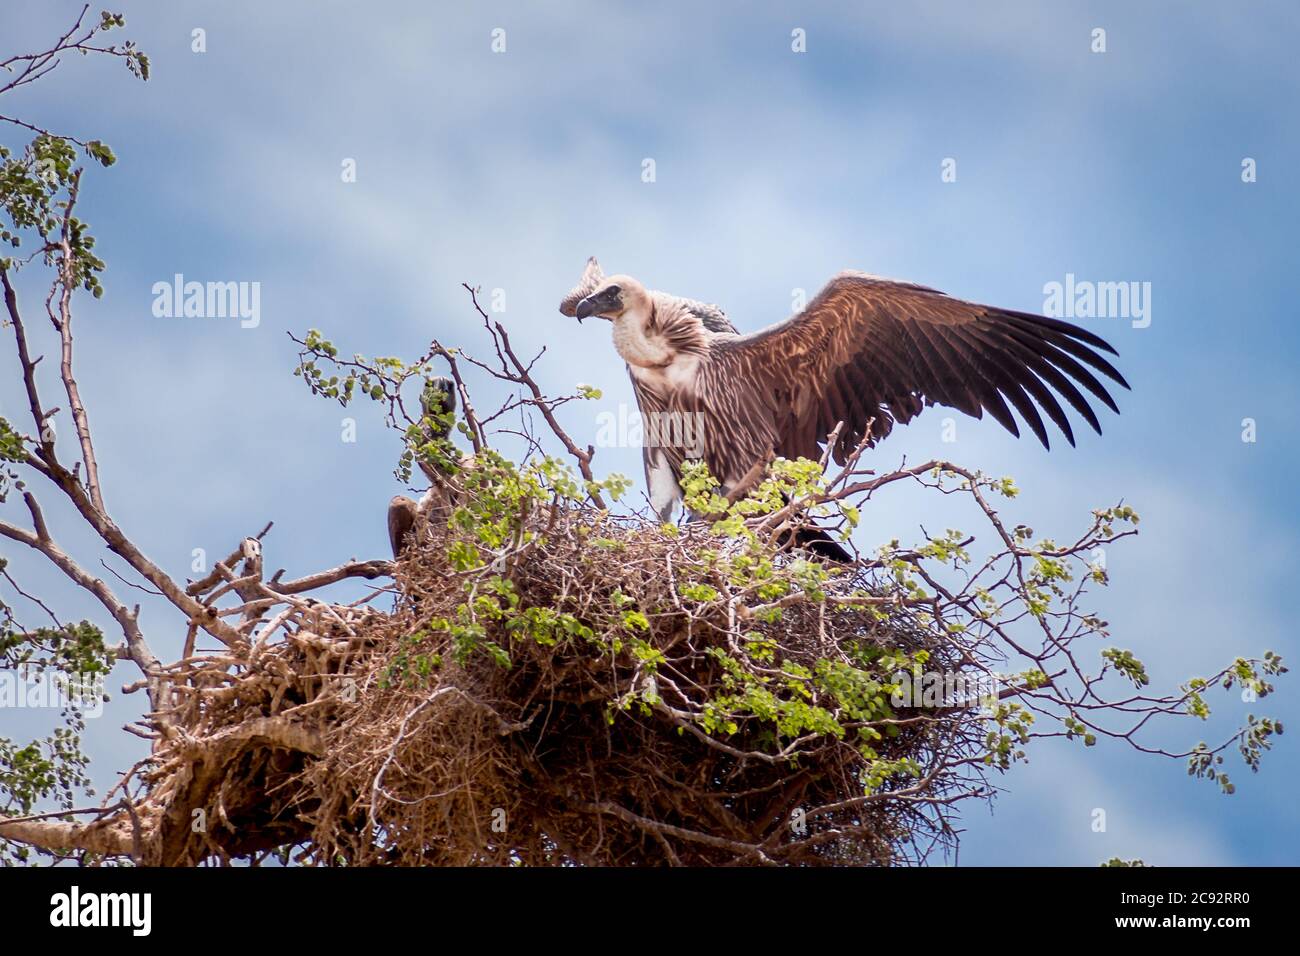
x=819, y=543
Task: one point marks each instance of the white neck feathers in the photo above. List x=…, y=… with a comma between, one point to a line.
x=636, y=346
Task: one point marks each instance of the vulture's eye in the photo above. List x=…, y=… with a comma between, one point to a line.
x=613, y=290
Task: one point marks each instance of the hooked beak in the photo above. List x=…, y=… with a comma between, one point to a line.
x=606, y=303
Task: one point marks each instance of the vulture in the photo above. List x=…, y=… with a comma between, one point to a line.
x=865, y=353
x=437, y=402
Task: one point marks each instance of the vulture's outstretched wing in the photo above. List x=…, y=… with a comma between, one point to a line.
x=870, y=348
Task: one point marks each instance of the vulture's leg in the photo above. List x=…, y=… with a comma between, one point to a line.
x=665, y=492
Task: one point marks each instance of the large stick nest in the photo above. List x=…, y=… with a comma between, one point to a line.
x=365, y=737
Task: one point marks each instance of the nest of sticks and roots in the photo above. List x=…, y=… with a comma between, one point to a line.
x=360, y=737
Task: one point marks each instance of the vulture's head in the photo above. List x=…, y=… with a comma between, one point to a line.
x=438, y=397
x=437, y=404
x=614, y=298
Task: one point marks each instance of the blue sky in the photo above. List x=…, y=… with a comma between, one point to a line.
x=774, y=170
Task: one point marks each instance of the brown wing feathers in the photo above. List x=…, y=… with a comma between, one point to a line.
x=871, y=348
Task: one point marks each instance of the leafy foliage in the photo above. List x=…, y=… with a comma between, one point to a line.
x=39, y=183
